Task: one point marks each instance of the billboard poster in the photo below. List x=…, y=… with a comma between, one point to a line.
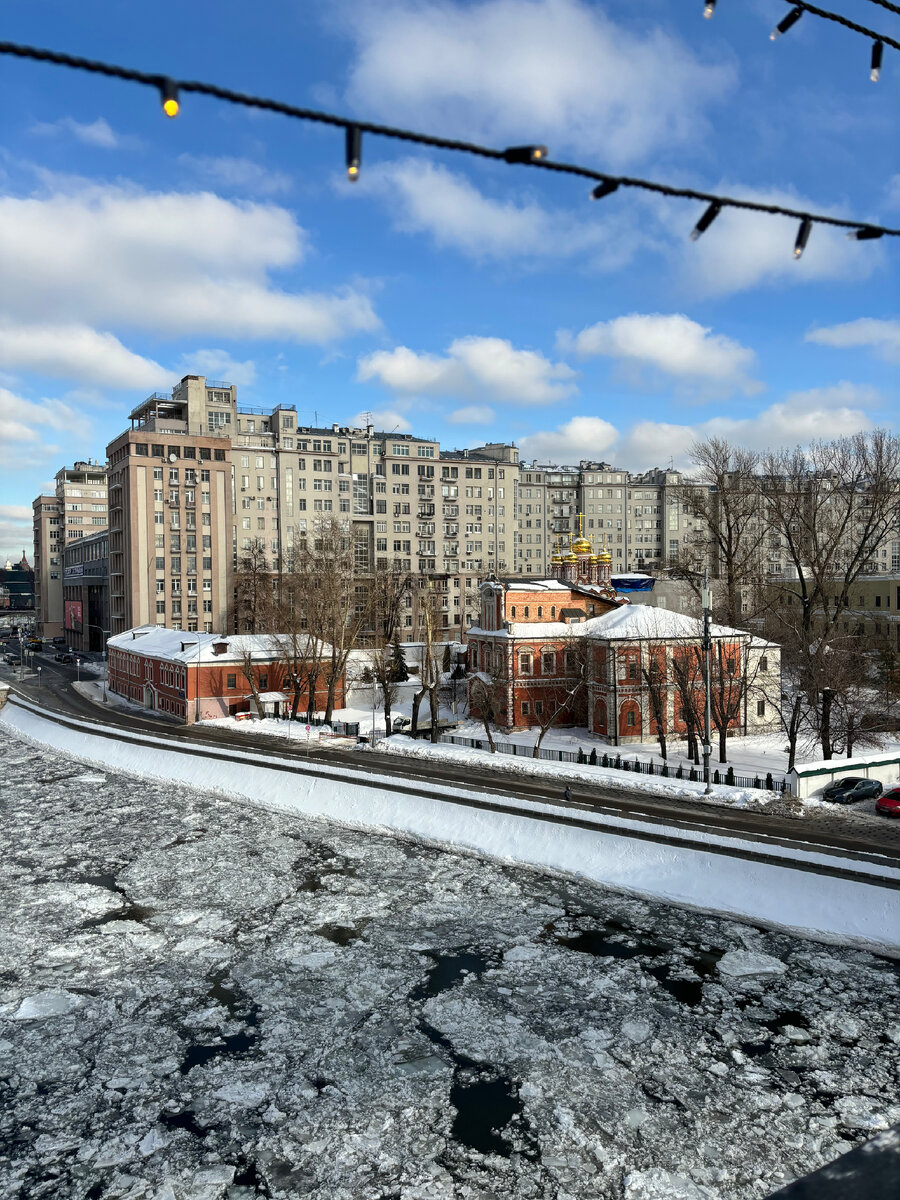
x=73, y=615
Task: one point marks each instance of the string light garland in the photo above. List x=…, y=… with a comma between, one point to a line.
x=799, y=7
x=171, y=90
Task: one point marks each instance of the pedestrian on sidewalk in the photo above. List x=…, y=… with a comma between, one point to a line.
x=567, y=795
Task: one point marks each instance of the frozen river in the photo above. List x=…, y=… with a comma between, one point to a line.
x=202, y=1000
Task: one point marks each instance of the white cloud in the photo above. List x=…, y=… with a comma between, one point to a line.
x=881, y=336
x=472, y=414
x=80, y=354
x=512, y=71
x=240, y=173
x=172, y=263
x=800, y=418
x=744, y=249
x=481, y=366
x=16, y=532
x=670, y=343
x=22, y=422
x=218, y=364
x=387, y=419
x=581, y=437
x=422, y=197
x=94, y=133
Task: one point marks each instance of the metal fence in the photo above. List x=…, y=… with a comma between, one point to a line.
x=617, y=763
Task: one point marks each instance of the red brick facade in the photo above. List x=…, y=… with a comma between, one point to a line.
x=556, y=650
x=171, y=680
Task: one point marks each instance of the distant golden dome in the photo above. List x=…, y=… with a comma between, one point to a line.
x=604, y=556
x=571, y=557
x=581, y=546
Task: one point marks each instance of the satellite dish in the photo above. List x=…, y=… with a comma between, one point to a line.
x=173, y=458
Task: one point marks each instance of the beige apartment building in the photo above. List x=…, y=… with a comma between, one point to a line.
x=76, y=510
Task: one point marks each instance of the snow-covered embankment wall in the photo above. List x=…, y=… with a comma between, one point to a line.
x=851, y=900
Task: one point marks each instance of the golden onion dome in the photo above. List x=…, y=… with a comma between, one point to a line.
x=604, y=556
x=571, y=557
x=581, y=546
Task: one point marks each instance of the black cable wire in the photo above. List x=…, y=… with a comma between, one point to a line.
x=894, y=8
x=424, y=139
x=846, y=22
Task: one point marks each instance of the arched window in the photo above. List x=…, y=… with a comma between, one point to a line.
x=527, y=611
x=540, y=611
x=512, y=612
x=553, y=610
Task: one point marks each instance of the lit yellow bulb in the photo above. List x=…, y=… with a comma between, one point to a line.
x=708, y=11
x=170, y=107
x=353, y=171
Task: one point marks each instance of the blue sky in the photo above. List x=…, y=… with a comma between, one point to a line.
x=462, y=299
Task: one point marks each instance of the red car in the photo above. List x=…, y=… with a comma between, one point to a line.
x=888, y=803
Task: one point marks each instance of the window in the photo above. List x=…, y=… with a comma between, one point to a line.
x=263, y=680
x=526, y=708
x=764, y=664
x=632, y=674
x=629, y=718
x=539, y=708
x=231, y=681
x=525, y=664
x=217, y=420
x=548, y=662
x=760, y=708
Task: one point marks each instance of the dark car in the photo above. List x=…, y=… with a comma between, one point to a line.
x=63, y=658
x=888, y=803
x=851, y=789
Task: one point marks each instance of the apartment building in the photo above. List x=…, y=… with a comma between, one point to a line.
x=171, y=510
x=86, y=591
x=77, y=509
x=48, y=523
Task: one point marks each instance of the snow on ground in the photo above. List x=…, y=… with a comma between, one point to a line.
x=751, y=756
x=210, y=1002
x=562, y=773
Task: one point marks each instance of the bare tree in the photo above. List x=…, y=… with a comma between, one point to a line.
x=727, y=689
x=253, y=590
x=655, y=676
x=323, y=581
x=566, y=695
x=430, y=669
x=488, y=694
x=832, y=504
x=687, y=675
x=722, y=496
x=249, y=672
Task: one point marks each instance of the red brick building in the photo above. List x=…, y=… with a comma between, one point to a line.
x=193, y=677
x=571, y=653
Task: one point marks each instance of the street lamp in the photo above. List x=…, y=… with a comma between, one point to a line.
x=39, y=678
x=707, y=647
x=78, y=668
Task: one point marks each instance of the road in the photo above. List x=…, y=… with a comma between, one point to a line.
x=831, y=832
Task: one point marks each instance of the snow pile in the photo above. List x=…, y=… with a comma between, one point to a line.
x=608, y=777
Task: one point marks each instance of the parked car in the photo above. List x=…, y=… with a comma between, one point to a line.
x=851, y=789
x=63, y=658
x=888, y=803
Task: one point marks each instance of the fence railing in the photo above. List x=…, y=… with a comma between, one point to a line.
x=617, y=763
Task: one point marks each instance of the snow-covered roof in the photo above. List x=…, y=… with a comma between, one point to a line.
x=273, y=696
x=537, y=585
x=628, y=623
x=178, y=645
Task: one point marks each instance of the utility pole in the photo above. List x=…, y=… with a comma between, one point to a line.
x=707, y=648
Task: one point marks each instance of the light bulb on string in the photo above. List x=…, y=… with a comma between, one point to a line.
x=709, y=8
x=524, y=154
x=706, y=220
x=354, y=152
x=785, y=23
x=877, y=56
x=802, y=237
x=606, y=188
x=169, y=96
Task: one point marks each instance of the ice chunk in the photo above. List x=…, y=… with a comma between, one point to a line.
x=743, y=964
x=657, y=1184
x=637, y=1030
x=54, y=1002
x=247, y=1095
